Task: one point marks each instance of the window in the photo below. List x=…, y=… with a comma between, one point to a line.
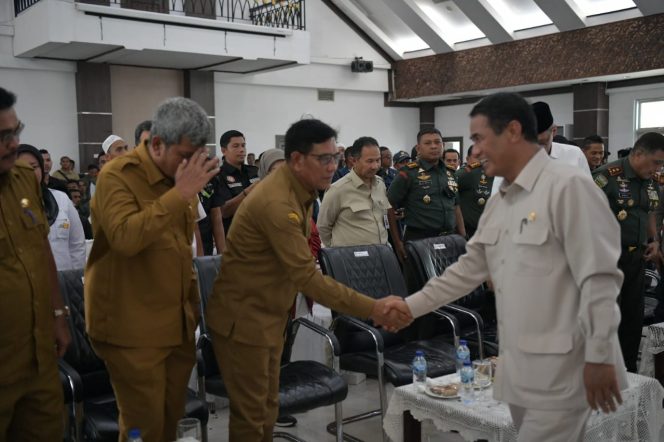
x=649, y=116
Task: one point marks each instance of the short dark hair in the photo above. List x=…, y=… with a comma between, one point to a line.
x=450, y=150
x=7, y=99
x=470, y=150
x=226, y=137
x=591, y=139
x=356, y=148
x=303, y=134
x=385, y=148
x=622, y=153
x=649, y=142
x=93, y=166
x=428, y=130
x=502, y=108
x=142, y=126
x=44, y=152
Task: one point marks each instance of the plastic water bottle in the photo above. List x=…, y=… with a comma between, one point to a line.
x=134, y=435
x=467, y=391
x=419, y=371
x=463, y=354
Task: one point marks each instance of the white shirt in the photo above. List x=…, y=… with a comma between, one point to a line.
x=565, y=153
x=66, y=235
x=556, y=279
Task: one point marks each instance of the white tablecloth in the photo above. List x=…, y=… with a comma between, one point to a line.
x=639, y=418
x=653, y=344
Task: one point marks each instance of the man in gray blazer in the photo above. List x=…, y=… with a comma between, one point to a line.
x=554, y=269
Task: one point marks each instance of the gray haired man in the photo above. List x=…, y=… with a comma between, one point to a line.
x=141, y=298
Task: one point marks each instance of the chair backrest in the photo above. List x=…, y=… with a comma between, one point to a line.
x=372, y=270
x=207, y=268
x=80, y=354
x=431, y=256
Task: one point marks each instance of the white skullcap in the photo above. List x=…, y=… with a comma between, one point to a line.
x=108, y=142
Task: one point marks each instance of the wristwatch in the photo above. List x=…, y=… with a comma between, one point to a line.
x=61, y=312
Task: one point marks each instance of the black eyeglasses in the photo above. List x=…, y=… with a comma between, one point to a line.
x=326, y=158
x=6, y=136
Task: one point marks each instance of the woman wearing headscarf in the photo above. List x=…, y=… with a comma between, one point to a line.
x=66, y=231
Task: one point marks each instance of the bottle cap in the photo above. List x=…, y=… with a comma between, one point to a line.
x=419, y=353
x=463, y=342
x=134, y=433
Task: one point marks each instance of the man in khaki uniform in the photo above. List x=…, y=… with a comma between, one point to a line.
x=141, y=296
x=554, y=268
x=32, y=315
x=354, y=209
x=266, y=262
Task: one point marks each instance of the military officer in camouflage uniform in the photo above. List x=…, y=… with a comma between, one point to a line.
x=474, y=191
x=633, y=198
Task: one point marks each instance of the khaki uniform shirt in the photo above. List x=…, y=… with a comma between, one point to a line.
x=26, y=309
x=428, y=193
x=554, y=268
x=353, y=213
x=267, y=261
x=140, y=287
x=631, y=199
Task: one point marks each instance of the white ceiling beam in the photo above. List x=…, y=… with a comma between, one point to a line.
x=485, y=17
x=565, y=15
x=421, y=24
x=650, y=7
x=373, y=31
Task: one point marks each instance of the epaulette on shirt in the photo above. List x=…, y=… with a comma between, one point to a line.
x=614, y=170
x=474, y=165
x=411, y=165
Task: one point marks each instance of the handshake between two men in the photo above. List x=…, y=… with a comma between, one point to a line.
x=391, y=313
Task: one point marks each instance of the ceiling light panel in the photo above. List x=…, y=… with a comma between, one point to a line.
x=516, y=15
x=596, y=7
x=452, y=23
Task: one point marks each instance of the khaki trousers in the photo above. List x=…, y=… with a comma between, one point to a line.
x=549, y=425
x=32, y=410
x=150, y=386
x=251, y=377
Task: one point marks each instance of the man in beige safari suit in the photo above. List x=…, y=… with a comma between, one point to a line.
x=555, y=275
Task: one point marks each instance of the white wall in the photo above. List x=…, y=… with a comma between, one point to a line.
x=261, y=112
x=453, y=121
x=622, y=114
x=46, y=103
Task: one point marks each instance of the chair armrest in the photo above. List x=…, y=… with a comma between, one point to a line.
x=203, y=340
x=479, y=323
x=373, y=331
x=73, y=387
x=331, y=338
x=452, y=320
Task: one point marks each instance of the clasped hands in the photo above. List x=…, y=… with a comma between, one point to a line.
x=391, y=313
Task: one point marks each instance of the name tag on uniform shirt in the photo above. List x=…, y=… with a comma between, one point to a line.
x=361, y=254
x=253, y=180
x=234, y=185
x=386, y=222
x=439, y=246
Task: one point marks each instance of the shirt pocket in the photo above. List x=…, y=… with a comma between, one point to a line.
x=360, y=207
x=531, y=251
x=61, y=228
x=547, y=356
x=487, y=236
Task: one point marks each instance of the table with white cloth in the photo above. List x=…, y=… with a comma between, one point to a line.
x=639, y=418
x=652, y=352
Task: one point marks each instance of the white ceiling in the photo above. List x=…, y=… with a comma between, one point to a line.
x=415, y=28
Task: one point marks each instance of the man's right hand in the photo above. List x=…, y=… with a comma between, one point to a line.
x=193, y=174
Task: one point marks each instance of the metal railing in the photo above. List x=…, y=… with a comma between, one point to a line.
x=272, y=13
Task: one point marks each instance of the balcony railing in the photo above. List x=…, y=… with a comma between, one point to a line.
x=273, y=13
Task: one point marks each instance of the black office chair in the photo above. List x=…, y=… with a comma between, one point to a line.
x=374, y=271
x=476, y=311
x=94, y=410
x=303, y=385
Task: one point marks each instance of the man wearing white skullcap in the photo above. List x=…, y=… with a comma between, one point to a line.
x=114, y=146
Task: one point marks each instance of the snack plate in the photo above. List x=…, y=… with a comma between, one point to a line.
x=428, y=392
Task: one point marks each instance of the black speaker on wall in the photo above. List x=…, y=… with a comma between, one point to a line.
x=360, y=65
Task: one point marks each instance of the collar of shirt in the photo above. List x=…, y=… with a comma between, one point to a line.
x=229, y=169
x=357, y=181
x=629, y=171
x=427, y=165
x=528, y=175
x=303, y=195
x=154, y=175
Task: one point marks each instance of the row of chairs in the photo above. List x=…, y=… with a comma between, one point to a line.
x=304, y=385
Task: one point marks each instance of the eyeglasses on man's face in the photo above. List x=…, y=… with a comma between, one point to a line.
x=8, y=135
x=325, y=159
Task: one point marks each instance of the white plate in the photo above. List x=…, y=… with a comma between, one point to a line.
x=438, y=396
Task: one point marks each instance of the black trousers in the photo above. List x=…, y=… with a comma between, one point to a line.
x=631, y=305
